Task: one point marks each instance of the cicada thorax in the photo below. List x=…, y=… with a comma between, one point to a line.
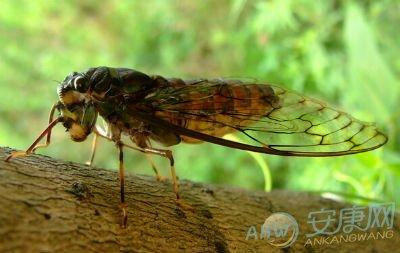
x=226, y=106
x=106, y=83
x=108, y=87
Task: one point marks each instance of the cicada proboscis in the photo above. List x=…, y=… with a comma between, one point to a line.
x=271, y=119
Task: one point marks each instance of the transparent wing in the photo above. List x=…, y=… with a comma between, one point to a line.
x=269, y=119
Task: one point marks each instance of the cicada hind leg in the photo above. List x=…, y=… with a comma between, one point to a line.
x=34, y=146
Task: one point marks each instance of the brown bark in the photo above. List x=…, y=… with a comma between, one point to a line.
x=49, y=205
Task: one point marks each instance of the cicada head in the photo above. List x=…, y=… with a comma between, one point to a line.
x=73, y=89
x=79, y=119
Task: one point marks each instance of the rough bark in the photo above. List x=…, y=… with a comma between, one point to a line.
x=48, y=205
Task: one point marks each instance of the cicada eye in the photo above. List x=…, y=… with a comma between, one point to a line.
x=67, y=125
x=79, y=84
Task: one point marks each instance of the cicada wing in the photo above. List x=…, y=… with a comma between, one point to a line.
x=305, y=125
x=270, y=119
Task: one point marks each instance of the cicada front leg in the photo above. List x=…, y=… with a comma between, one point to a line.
x=34, y=146
x=48, y=139
x=98, y=132
x=94, y=147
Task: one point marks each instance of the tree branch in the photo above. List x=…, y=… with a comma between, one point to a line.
x=52, y=205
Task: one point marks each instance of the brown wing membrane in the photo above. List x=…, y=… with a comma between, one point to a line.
x=270, y=119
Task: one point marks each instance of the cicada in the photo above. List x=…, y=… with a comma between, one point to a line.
x=151, y=109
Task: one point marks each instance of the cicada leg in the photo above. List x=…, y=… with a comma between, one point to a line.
x=32, y=148
x=120, y=146
x=123, y=206
x=147, y=150
x=94, y=147
x=48, y=139
x=159, y=178
x=98, y=132
x=175, y=182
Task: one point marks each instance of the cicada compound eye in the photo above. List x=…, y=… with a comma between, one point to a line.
x=80, y=84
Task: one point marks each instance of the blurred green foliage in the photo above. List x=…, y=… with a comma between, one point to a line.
x=345, y=52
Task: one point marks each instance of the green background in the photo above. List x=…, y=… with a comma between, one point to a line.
x=343, y=52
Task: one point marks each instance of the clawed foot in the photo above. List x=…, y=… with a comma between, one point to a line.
x=88, y=163
x=124, y=215
x=182, y=204
x=40, y=146
x=16, y=154
x=161, y=178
